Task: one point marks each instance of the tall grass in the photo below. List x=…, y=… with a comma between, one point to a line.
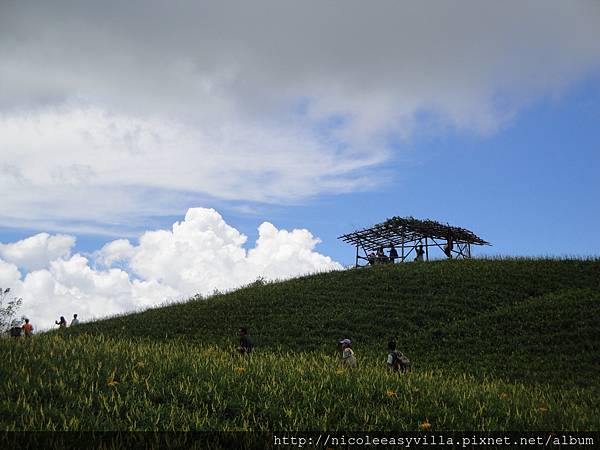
x=495, y=345
x=97, y=383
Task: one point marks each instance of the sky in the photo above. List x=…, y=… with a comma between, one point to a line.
x=151, y=150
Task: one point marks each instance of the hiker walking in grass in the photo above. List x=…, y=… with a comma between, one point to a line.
x=62, y=323
x=348, y=358
x=396, y=361
x=27, y=328
x=245, y=342
x=75, y=320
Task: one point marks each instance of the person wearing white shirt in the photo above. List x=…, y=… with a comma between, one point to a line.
x=75, y=320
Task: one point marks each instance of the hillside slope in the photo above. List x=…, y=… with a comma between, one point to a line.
x=496, y=345
x=480, y=316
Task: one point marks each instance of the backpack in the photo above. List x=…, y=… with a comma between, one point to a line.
x=15, y=332
x=399, y=361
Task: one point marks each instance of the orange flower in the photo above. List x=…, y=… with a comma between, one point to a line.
x=425, y=425
x=240, y=370
x=391, y=394
x=504, y=395
x=113, y=382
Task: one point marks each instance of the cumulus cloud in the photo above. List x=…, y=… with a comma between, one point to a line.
x=9, y=274
x=262, y=101
x=115, y=251
x=203, y=253
x=198, y=255
x=37, y=251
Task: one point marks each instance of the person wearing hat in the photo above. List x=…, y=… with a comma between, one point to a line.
x=348, y=358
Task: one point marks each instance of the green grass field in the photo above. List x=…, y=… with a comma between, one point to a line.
x=495, y=345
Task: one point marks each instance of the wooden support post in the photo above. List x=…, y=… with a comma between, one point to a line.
x=426, y=249
x=402, y=244
x=356, y=264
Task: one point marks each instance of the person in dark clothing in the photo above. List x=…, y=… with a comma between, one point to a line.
x=62, y=323
x=449, y=246
x=15, y=332
x=245, y=342
x=393, y=253
x=381, y=258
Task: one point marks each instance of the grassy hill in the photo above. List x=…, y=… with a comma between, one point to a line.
x=495, y=344
x=442, y=313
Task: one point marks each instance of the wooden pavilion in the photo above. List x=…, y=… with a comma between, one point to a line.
x=407, y=236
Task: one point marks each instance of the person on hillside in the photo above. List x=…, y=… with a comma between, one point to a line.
x=381, y=258
x=348, y=358
x=449, y=246
x=372, y=258
x=420, y=253
x=393, y=253
x=15, y=332
x=75, y=320
x=62, y=323
x=396, y=361
x=245, y=342
x=27, y=328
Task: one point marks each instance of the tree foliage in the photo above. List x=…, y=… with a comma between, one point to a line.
x=9, y=306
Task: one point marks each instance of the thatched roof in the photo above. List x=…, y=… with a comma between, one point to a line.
x=399, y=230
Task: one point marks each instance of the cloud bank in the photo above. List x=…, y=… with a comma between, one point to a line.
x=198, y=255
x=106, y=106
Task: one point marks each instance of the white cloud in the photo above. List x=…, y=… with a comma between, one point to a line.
x=115, y=251
x=108, y=115
x=37, y=251
x=9, y=274
x=203, y=253
x=277, y=252
x=76, y=158
x=199, y=254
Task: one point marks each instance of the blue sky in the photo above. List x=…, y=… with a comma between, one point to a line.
x=113, y=125
x=531, y=188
